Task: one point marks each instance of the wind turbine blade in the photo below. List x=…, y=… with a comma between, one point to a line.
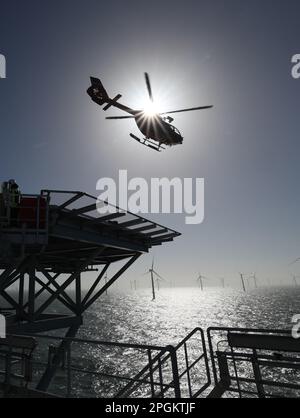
x=295, y=261
x=159, y=276
x=147, y=78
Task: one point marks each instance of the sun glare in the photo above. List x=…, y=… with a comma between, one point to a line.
x=150, y=109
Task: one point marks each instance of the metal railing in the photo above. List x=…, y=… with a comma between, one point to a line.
x=254, y=362
x=193, y=367
x=28, y=219
x=91, y=368
x=245, y=363
x=15, y=360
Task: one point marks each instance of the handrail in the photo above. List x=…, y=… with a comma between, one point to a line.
x=253, y=358
x=129, y=389
x=235, y=329
x=19, y=223
x=161, y=351
x=98, y=342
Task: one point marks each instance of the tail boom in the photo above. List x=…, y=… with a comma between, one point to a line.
x=99, y=95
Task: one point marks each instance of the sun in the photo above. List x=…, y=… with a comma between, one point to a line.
x=150, y=109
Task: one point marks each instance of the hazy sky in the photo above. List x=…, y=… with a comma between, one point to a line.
x=233, y=54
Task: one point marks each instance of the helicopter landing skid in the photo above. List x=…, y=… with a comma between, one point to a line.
x=148, y=143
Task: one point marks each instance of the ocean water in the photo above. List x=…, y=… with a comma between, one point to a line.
x=135, y=318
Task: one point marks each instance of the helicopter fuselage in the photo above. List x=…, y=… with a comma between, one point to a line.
x=154, y=127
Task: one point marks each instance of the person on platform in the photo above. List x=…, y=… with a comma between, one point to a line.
x=4, y=202
x=14, y=202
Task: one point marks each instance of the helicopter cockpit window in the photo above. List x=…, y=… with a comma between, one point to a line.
x=175, y=129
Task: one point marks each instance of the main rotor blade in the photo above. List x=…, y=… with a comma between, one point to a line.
x=187, y=110
x=147, y=78
x=119, y=117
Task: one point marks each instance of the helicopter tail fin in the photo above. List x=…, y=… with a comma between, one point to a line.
x=99, y=95
x=97, y=92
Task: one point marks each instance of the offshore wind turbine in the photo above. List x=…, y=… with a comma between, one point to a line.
x=200, y=281
x=133, y=285
x=158, y=279
x=254, y=280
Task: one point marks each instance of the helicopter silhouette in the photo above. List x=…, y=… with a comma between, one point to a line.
x=157, y=129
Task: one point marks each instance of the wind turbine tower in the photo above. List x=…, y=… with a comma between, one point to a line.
x=200, y=281
x=243, y=282
x=153, y=273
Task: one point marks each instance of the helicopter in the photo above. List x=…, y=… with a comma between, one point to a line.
x=157, y=128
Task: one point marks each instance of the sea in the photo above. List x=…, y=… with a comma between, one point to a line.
x=134, y=318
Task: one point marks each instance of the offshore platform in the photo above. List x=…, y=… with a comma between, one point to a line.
x=56, y=237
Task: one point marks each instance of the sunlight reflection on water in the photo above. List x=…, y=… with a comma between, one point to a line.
x=135, y=318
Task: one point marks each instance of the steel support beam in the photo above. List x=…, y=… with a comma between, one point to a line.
x=21, y=294
x=52, y=280
x=71, y=200
x=57, y=360
x=61, y=231
x=111, y=281
x=59, y=298
x=9, y=274
x=78, y=293
x=69, y=281
x=31, y=293
x=95, y=284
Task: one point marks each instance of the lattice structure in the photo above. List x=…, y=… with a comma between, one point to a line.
x=58, y=236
